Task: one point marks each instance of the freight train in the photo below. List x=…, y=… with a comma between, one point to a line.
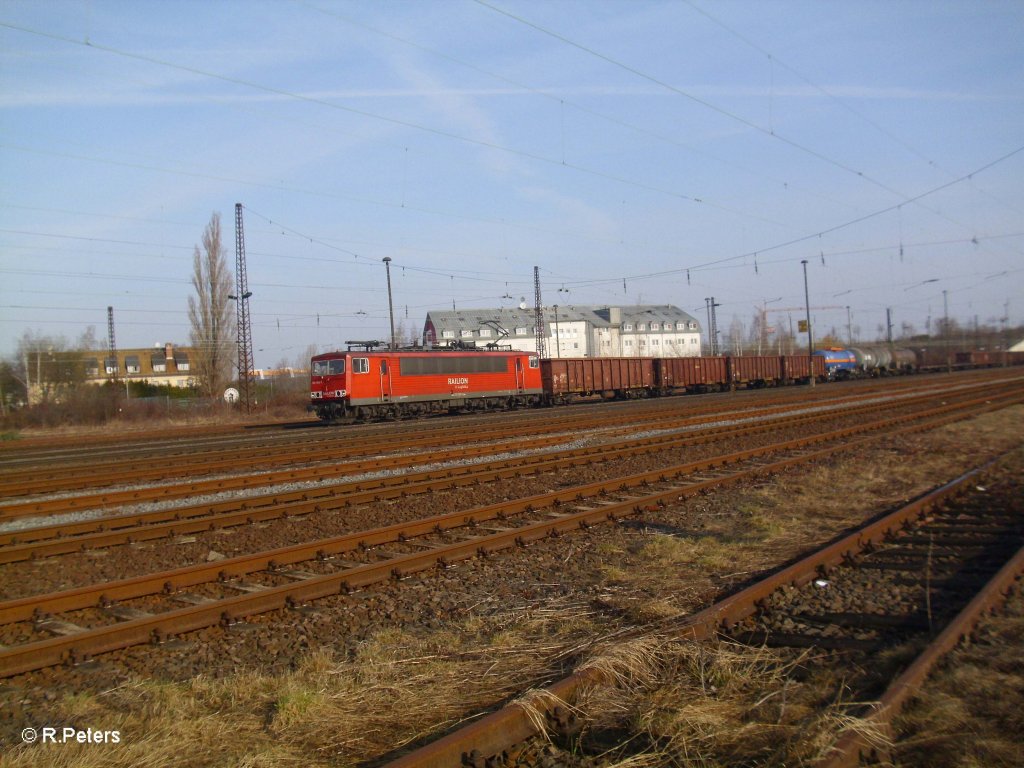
x=370, y=384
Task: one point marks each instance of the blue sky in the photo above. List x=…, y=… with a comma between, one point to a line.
x=637, y=152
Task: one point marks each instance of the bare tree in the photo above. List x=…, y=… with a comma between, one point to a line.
x=302, y=361
x=210, y=312
x=49, y=367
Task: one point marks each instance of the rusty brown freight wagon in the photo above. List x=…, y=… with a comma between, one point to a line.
x=974, y=359
x=755, y=370
x=796, y=368
x=568, y=377
x=691, y=373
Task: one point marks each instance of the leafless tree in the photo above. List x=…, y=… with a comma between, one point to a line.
x=302, y=361
x=211, y=313
x=48, y=366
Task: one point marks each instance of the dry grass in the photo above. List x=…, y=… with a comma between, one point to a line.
x=702, y=705
x=972, y=712
x=674, y=703
x=396, y=688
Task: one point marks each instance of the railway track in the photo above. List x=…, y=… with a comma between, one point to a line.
x=547, y=434
x=971, y=539
x=32, y=473
x=271, y=580
x=29, y=543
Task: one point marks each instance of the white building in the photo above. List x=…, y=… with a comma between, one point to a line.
x=572, y=331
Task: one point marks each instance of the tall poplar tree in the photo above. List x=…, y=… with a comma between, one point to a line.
x=211, y=312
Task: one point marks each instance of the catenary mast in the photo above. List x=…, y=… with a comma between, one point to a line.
x=245, y=362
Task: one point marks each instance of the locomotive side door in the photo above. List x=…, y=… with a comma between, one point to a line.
x=385, y=381
x=520, y=376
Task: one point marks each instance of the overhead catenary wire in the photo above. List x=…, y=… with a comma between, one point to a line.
x=284, y=93
x=566, y=40
x=800, y=146
x=682, y=254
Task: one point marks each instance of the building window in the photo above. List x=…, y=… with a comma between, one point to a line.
x=655, y=327
x=485, y=333
x=627, y=327
x=654, y=342
x=628, y=342
x=693, y=326
x=467, y=334
x=521, y=331
x=641, y=326
x=447, y=334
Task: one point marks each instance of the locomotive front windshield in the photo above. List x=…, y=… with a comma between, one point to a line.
x=329, y=367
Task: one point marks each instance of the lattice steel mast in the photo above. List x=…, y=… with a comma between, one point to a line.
x=241, y=298
x=538, y=327
x=111, y=344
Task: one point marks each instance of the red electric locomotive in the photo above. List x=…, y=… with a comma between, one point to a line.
x=374, y=384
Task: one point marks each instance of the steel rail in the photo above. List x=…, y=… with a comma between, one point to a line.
x=138, y=469
x=152, y=465
x=31, y=543
x=43, y=541
x=852, y=746
x=188, y=576
x=142, y=456
x=313, y=474
x=320, y=473
x=78, y=646
x=23, y=449
x=110, y=531
x=90, y=472
x=516, y=722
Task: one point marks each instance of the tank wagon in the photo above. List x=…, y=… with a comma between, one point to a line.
x=839, y=363
x=877, y=360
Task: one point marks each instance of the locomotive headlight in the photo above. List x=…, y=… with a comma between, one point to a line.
x=340, y=393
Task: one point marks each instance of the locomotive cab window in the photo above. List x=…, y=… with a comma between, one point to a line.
x=360, y=365
x=328, y=367
x=383, y=367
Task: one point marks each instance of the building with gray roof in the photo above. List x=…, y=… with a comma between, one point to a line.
x=572, y=331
